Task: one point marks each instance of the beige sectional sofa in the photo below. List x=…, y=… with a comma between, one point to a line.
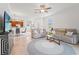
x=60, y=33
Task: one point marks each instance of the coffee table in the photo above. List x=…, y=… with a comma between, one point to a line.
x=51, y=39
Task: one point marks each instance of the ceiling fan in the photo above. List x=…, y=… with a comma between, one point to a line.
x=43, y=8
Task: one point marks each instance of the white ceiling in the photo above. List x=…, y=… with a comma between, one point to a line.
x=27, y=9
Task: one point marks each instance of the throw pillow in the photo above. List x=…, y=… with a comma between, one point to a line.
x=69, y=33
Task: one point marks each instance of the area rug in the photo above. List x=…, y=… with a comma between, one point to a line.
x=44, y=47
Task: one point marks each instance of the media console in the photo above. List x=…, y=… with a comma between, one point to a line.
x=6, y=44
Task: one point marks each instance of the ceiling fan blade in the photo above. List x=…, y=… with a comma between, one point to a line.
x=46, y=11
x=49, y=8
x=42, y=6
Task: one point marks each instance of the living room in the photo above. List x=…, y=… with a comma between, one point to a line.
x=40, y=29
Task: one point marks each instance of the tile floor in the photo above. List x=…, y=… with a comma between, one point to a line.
x=20, y=44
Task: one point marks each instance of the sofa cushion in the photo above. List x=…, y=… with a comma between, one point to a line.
x=61, y=31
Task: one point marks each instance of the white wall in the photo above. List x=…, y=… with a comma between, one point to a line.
x=5, y=7
x=67, y=18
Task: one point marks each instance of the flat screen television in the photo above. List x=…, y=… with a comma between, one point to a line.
x=7, y=19
x=5, y=23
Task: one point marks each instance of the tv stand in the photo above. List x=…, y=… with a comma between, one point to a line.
x=5, y=44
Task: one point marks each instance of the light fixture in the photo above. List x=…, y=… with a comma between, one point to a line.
x=42, y=10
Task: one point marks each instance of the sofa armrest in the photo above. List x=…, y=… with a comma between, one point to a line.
x=75, y=38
